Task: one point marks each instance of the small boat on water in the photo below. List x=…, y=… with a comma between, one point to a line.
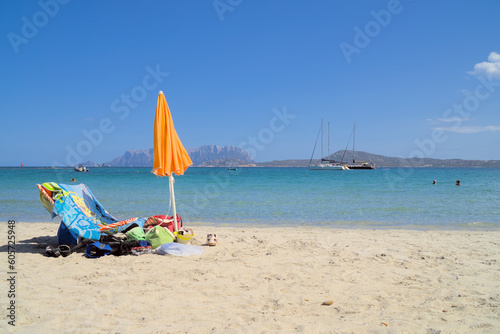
x=81, y=168
x=325, y=164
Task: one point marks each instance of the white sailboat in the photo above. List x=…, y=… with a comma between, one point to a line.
x=325, y=164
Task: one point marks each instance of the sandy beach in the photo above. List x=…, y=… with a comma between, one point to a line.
x=262, y=279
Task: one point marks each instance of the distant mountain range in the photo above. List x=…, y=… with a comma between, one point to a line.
x=204, y=156
x=231, y=156
x=385, y=161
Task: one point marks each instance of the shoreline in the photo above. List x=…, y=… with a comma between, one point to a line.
x=265, y=279
x=225, y=167
x=339, y=225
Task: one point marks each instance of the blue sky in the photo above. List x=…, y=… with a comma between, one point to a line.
x=80, y=79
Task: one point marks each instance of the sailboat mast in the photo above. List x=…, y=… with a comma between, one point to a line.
x=328, y=140
x=353, y=143
x=315, y=144
x=321, y=140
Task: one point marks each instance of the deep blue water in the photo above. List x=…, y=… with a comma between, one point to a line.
x=385, y=197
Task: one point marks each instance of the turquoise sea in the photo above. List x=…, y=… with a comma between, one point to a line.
x=381, y=198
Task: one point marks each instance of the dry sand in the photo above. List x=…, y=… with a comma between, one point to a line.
x=260, y=280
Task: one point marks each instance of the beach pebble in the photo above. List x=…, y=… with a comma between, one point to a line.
x=327, y=303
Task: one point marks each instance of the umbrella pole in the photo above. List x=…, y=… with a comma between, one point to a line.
x=172, y=196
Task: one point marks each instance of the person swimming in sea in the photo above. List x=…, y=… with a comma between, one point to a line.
x=434, y=181
x=73, y=180
x=457, y=183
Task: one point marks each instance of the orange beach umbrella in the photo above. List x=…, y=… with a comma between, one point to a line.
x=170, y=156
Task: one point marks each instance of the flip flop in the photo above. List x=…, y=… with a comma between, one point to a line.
x=64, y=250
x=53, y=252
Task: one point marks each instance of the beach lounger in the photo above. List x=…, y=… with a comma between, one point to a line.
x=85, y=217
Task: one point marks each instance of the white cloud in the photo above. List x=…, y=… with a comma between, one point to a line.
x=488, y=68
x=453, y=119
x=470, y=129
x=494, y=57
x=448, y=120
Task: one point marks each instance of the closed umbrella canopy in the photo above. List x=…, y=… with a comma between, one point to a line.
x=170, y=156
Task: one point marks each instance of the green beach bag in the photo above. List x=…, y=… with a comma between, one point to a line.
x=158, y=236
x=137, y=233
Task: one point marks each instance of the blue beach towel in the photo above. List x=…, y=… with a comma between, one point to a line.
x=80, y=211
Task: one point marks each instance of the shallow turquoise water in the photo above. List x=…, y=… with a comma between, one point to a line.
x=385, y=197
